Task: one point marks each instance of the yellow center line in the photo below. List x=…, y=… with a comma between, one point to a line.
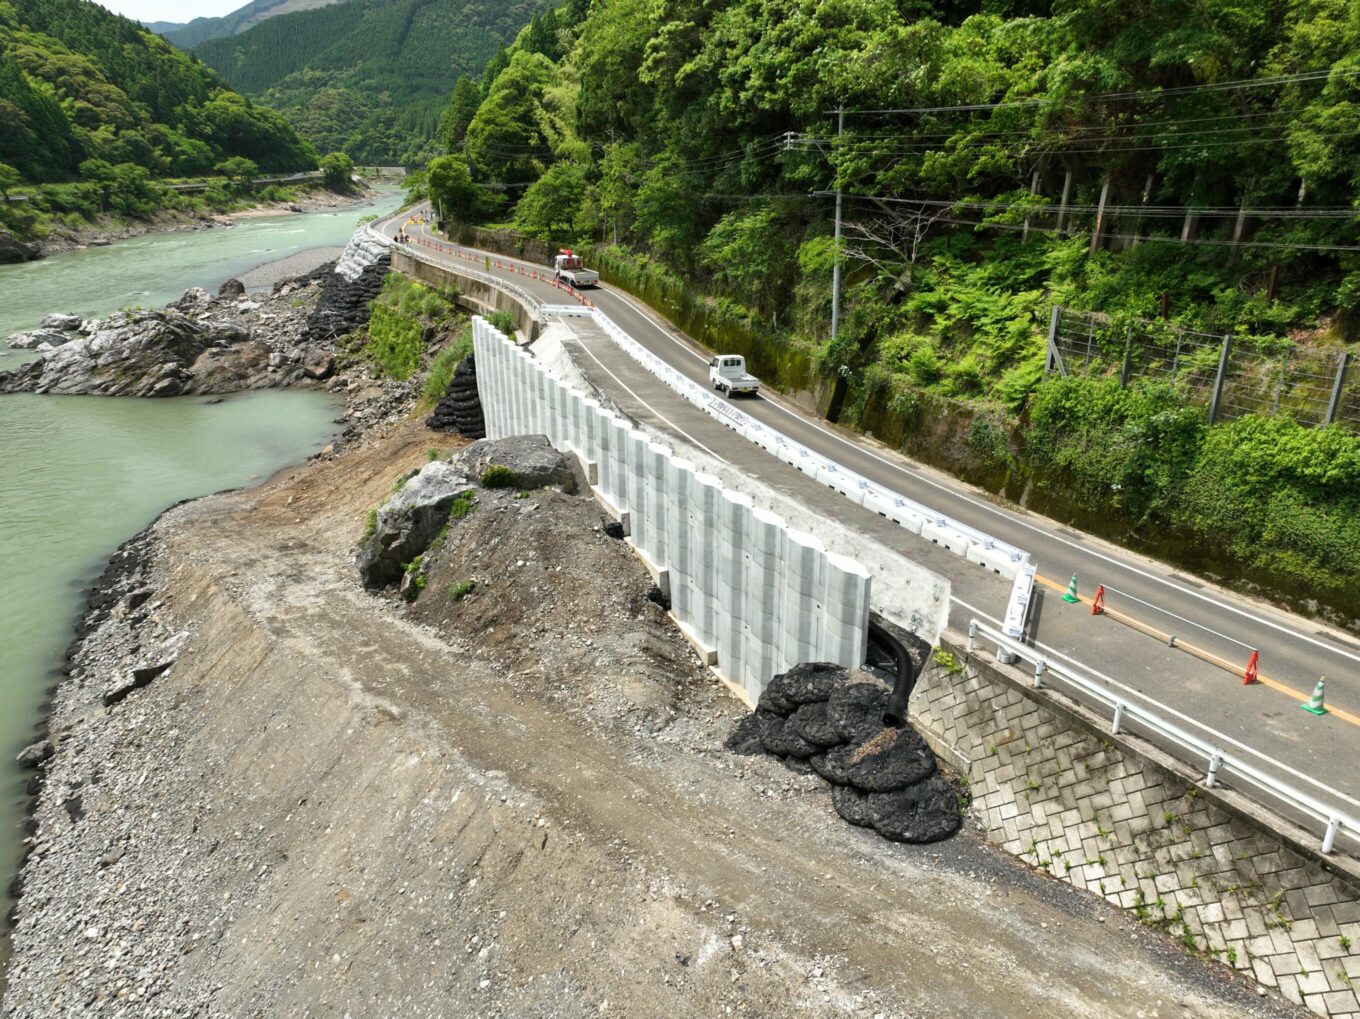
x=1273, y=684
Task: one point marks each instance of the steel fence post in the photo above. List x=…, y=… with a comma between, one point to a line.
x=1335, y=402
x=1218, y=381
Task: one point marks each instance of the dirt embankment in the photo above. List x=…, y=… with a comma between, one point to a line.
x=512, y=803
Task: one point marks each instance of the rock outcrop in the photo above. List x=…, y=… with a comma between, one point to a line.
x=14, y=250
x=405, y=526
x=830, y=719
x=197, y=345
x=531, y=459
x=409, y=521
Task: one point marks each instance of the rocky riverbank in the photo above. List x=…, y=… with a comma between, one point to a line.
x=202, y=344
x=271, y=792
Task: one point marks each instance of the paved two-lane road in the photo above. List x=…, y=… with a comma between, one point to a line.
x=1294, y=650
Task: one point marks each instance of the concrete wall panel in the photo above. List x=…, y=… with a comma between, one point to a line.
x=763, y=596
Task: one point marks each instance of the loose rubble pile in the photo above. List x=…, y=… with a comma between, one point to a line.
x=830, y=719
x=460, y=408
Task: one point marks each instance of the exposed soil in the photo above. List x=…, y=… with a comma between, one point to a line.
x=513, y=804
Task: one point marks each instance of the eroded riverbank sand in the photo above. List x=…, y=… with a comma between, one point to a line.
x=324, y=808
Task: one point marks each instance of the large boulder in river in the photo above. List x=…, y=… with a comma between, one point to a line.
x=36, y=339
x=14, y=250
x=62, y=322
x=409, y=521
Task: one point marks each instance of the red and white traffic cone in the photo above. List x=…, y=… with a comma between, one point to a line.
x=1253, y=668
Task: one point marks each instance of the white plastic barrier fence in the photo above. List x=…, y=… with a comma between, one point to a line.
x=743, y=583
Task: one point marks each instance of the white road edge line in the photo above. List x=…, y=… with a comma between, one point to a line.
x=624, y=386
x=1219, y=736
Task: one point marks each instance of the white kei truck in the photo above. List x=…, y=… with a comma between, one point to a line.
x=727, y=374
x=570, y=269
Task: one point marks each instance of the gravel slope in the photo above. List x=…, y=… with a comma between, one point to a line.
x=328, y=807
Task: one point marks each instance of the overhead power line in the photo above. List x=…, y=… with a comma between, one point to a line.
x=1151, y=211
x=1157, y=93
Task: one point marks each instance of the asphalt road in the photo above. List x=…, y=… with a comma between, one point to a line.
x=1294, y=651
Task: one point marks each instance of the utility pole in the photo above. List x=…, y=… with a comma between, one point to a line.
x=836, y=263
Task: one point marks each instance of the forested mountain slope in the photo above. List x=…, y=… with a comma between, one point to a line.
x=202, y=29
x=78, y=83
x=1127, y=159
x=368, y=77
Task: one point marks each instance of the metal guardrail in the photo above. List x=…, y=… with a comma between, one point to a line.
x=1211, y=749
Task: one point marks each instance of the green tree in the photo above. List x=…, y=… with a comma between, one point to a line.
x=337, y=170
x=506, y=140
x=448, y=183
x=239, y=170
x=551, y=206
x=9, y=178
x=453, y=124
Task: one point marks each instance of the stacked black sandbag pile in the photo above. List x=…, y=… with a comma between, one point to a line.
x=830, y=719
x=460, y=408
x=343, y=306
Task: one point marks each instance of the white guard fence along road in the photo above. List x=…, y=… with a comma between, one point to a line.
x=763, y=596
x=1211, y=749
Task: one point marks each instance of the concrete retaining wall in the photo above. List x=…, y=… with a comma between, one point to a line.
x=1119, y=818
x=761, y=596
x=476, y=296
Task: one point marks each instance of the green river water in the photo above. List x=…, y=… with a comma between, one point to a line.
x=79, y=475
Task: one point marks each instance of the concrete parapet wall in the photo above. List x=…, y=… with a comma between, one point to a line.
x=761, y=595
x=478, y=297
x=1115, y=816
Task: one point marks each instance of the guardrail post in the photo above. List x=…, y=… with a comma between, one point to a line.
x=1329, y=839
x=1118, y=722
x=1039, y=667
x=1215, y=762
x=972, y=635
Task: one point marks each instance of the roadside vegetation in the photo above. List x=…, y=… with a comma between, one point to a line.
x=408, y=322
x=106, y=124
x=654, y=138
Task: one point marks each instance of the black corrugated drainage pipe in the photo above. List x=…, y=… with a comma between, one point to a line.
x=895, y=714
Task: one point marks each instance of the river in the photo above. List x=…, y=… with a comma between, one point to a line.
x=82, y=474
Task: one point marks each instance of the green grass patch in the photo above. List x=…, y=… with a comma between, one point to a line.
x=457, y=592
x=497, y=476
x=446, y=362
x=461, y=507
